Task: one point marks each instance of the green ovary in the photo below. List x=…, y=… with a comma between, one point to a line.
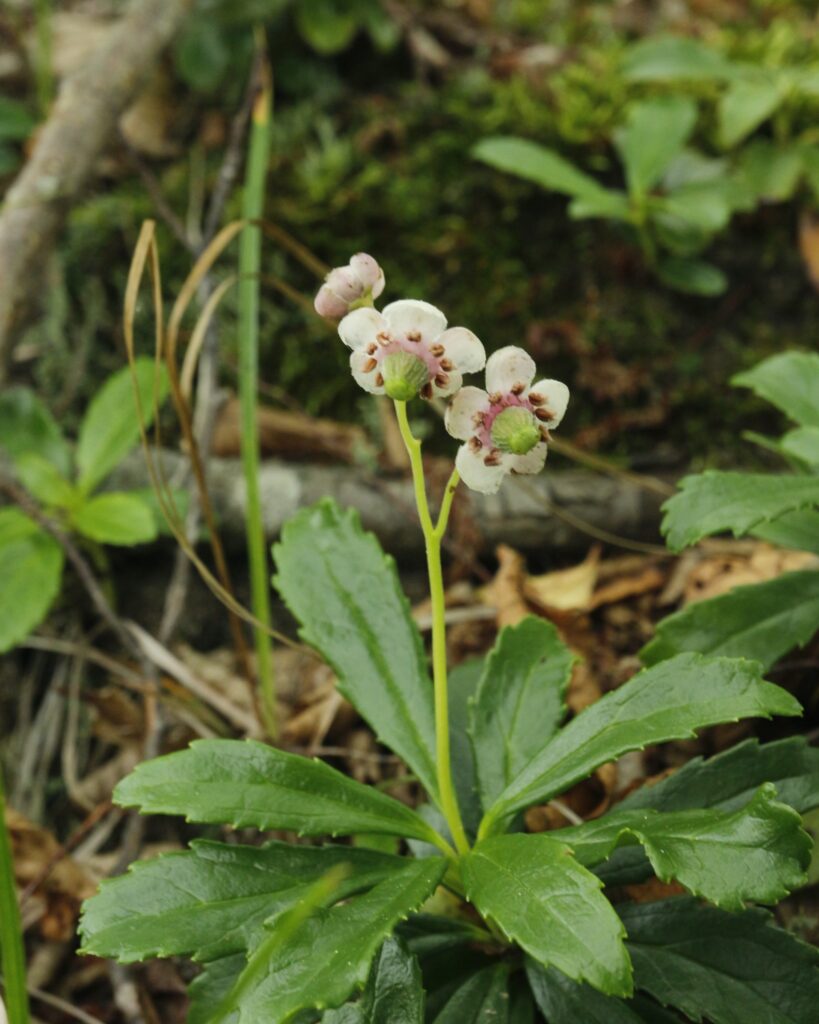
x=516, y=431
x=404, y=375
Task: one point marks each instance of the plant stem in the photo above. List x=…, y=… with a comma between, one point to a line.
x=44, y=56
x=432, y=539
x=248, y=341
x=11, y=933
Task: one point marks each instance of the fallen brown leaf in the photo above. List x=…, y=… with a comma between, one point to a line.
x=67, y=884
x=289, y=435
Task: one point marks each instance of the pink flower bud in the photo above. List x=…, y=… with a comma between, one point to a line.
x=350, y=287
x=369, y=272
x=329, y=305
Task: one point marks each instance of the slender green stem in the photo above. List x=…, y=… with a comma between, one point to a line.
x=11, y=933
x=432, y=539
x=250, y=245
x=44, y=55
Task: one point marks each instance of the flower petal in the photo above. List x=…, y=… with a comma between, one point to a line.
x=557, y=398
x=476, y=474
x=344, y=282
x=329, y=305
x=367, y=271
x=464, y=349
x=359, y=328
x=451, y=388
x=531, y=462
x=415, y=315
x=459, y=417
x=508, y=367
x=358, y=359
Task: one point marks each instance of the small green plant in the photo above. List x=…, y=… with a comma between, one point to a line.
x=749, y=95
x=213, y=47
x=64, y=483
x=675, y=201
x=476, y=920
x=765, y=620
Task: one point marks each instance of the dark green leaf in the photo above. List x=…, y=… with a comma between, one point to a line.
x=535, y=163
x=244, y=783
x=115, y=518
x=327, y=25
x=202, y=55
x=463, y=681
x=211, y=901
x=654, y=133
x=790, y=381
x=772, y=173
x=44, y=481
x=110, y=428
x=758, y=852
x=726, y=782
x=715, y=501
x=27, y=426
x=706, y=207
x=31, y=570
x=563, y=1001
x=762, y=621
x=16, y=122
x=607, y=203
x=668, y=701
x=10, y=159
x=799, y=530
x=549, y=905
x=669, y=58
x=209, y=988
x=695, y=277
x=744, y=105
x=482, y=998
x=328, y=955
x=803, y=444
x=394, y=993
x=519, y=703
x=726, y=968
x=345, y=592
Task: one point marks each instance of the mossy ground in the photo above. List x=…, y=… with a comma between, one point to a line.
x=372, y=151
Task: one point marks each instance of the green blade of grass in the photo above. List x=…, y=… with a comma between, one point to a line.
x=11, y=933
x=250, y=244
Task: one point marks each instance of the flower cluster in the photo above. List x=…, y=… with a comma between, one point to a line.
x=407, y=350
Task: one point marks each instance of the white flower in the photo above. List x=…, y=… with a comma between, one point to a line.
x=507, y=426
x=407, y=350
x=345, y=288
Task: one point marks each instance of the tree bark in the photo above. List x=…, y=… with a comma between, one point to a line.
x=519, y=515
x=79, y=127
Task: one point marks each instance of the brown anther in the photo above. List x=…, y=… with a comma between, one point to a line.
x=536, y=398
x=493, y=458
x=426, y=390
x=413, y=335
x=475, y=444
x=379, y=380
x=372, y=348
x=437, y=350
x=383, y=338
x=518, y=388
x=369, y=366
x=544, y=415
x=495, y=398
x=446, y=364
x=441, y=379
